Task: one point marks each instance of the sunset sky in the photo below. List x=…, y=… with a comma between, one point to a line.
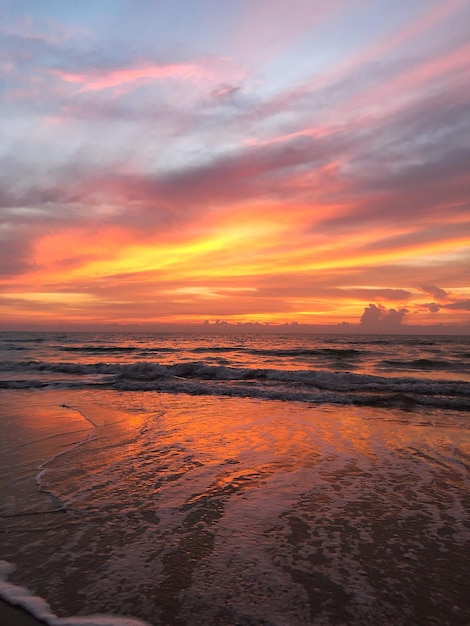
x=240, y=160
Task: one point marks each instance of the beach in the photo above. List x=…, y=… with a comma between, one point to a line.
x=204, y=508
x=214, y=510
x=14, y=616
x=235, y=314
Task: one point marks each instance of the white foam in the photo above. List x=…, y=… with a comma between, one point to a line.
x=38, y=607
x=199, y=378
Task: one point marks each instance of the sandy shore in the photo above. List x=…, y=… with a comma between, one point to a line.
x=205, y=510
x=15, y=616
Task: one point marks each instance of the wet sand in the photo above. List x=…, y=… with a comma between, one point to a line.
x=15, y=616
x=229, y=511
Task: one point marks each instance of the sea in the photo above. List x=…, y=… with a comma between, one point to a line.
x=235, y=479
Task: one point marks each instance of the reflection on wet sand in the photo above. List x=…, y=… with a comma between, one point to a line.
x=184, y=510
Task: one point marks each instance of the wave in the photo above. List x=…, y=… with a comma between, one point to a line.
x=118, y=350
x=97, y=349
x=36, y=606
x=299, y=352
x=195, y=377
x=27, y=339
x=204, y=349
x=425, y=364
x=274, y=352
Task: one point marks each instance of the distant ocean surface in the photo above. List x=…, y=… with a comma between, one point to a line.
x=235, y=479
x=364, y=370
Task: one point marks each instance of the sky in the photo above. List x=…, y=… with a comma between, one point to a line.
x=268, y=161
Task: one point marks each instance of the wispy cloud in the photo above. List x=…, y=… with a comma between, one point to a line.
x=100, y=79
x=312, y=166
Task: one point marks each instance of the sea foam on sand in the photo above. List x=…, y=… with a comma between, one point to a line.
x=37, y=607
x=208, y=510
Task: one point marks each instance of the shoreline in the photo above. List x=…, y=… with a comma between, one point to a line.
x=14, y=615
x=229, y=510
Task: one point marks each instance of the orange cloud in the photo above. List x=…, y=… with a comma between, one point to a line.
x=258, y=264
x=295, y=181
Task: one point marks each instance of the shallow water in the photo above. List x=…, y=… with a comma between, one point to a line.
x=180, y=509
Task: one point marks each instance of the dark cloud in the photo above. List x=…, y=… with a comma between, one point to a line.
x=420, y=234
x=380, y=319
x=433, y=307
x=388, y=294
x=437, y=292
x=462, y=305
x=252, y=173
x=225, y=92
x=15, y=254
x=413, y=159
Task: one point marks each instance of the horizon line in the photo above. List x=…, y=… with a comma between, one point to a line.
x=208, y=326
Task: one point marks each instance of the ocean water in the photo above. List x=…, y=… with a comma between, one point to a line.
x=223, y=479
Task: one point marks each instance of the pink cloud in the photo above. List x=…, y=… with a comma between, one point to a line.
x=423, y=23
x=456, y=60
x=343, y=101
x=101, y=79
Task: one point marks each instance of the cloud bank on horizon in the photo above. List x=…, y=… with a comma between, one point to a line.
x=258, y=160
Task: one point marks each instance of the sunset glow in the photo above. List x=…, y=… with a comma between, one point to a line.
x=271, y=162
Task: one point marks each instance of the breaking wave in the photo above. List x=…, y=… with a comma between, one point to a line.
x=199, y=378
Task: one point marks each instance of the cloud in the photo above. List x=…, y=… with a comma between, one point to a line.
x=462, y=305
x=16, y=254
x=252, y=173
x=380, y=319
x=225, y=91
x=322, y=175
x=98, y=80
x=432, y=307
x=387, y=294
x=437, y=292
